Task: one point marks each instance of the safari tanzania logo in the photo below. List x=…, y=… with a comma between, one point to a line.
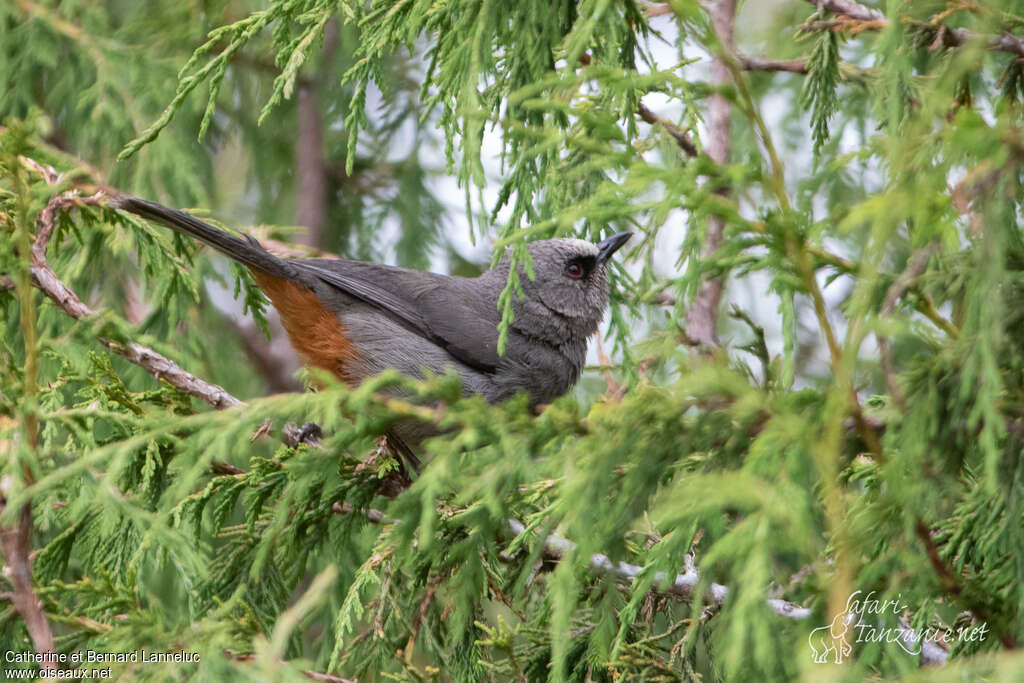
x=863, y=621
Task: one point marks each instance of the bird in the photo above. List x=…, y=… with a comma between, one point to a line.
x=355, y=319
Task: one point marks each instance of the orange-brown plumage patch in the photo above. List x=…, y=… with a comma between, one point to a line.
x=313, y=330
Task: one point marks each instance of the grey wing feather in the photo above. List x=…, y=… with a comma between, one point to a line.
x=359, y=286
x=467, y=323
x=445, y=310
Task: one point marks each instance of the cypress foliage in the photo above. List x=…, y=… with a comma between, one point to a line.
x=689, y=512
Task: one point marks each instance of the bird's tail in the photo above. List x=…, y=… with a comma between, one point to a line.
x=246, y=251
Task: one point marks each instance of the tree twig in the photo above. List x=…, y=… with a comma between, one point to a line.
x=149, y=360
x=372, y=515
x=16, y=544
x=849, y=8
x=873, y=20
x=681, y=137
x=795, y=66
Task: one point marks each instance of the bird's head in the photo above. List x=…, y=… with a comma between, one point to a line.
x=571, y=280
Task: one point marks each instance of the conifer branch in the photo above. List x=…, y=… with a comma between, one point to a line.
x=156, y=364
x=952, y=584
x=867, y=19
x=681, y=137
x=795, y=248
x=802, y=255
x=822, y=257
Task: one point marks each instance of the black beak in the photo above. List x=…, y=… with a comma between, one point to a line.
x=606, y=248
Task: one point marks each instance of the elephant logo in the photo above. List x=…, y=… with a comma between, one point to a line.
x=826, y=640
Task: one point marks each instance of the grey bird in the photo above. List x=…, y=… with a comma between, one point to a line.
x=356, y=319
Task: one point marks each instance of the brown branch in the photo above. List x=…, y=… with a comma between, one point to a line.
x=149, y=360
x=659, y=10
x=681, y=137
x=1002, y=43
x=310, y=168
x=372, y=515
x=219, y=467
x=702, y=318
x=16, y=544
x=428, y=597
x=848, y=72
x=867, y=19
x=796, y=66
x=849, y=8
x=310, y=164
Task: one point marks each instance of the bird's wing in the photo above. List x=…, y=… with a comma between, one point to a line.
x=465, y=321
x=448, y=311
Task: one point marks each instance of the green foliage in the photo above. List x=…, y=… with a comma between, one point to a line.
x=859, y=427
x=820, y=87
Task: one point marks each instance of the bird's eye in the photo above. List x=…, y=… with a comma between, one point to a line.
x=574, y=270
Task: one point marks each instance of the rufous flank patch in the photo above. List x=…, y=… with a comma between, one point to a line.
x=314, y=331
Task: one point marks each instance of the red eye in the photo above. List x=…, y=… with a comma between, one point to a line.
x=574, y=270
